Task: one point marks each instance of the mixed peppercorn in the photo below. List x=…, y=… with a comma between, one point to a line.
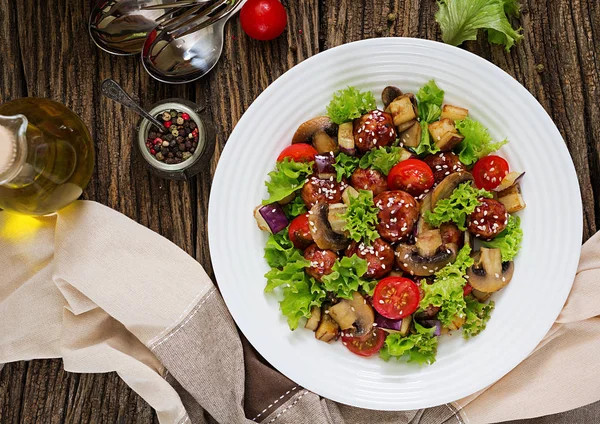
x=179, y=144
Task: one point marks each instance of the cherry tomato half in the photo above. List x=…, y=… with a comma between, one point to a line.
x=263, y=19
x=396, y=297
x=300, y=152
x=367, y=345
x=489, y=172
x=299, y=232
x=412, y=176
x=467, y=289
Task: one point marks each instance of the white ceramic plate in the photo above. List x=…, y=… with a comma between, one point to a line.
x=525, y=309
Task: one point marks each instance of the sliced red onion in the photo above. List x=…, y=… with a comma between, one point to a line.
x=388, y=324
x=324, y=166
x=431, y=323
x=274, y=217
x=349, y=152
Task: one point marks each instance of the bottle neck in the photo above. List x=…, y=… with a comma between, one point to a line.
x=13, y=147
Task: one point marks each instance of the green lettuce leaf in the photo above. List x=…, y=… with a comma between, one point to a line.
x=476, y=316
x=346, y=277
x=430, y=98
x=368, y=286
x=508, y=241
x=446, y=291
x=477, y=143
x=345, y=165
x=461, y=20
x=420, y=347
x=383, y=159
x=287, y=178
x=291, y=272
x=425, y=147
x=295, y=208
x=361, y=218
x=461, y=203
x=350, y=103
x=279, y=249
x=298, y=299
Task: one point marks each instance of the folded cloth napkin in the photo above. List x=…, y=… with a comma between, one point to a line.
x=103, y=293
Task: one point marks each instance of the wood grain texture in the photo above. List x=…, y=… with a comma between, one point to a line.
x=47, y=52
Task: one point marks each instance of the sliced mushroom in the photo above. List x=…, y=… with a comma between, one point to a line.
x=354, y=315
x=411, y=137
x=389, y=94
x=315, y=318
x=411, y=261
x=445, y=188
x=444, y=134
x=406, y=125
x=328, y=329
x=334, y=216
x=512, y=199
x=321, y=230
x=454, y=113
x=306, y=131
x=489, y=274
x=324, y=143
x=428, y=242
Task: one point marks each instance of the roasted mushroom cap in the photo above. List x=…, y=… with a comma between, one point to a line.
x=356, y=315
x=321, y=230
x=389, y=94
x=307, y=130
x=445, y=188
x=489, y=274
x=410, y=260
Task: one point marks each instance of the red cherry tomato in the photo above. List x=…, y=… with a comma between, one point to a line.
x=263, y=19
x=367, y=345
x=412, y=176
x=300, y=152
x=396, y=297
x=299, y=232
x=489, y=172
x=467, y=289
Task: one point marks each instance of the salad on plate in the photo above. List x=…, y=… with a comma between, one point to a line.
x=391, y=228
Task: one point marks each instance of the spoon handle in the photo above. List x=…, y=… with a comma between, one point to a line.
x=115, y=92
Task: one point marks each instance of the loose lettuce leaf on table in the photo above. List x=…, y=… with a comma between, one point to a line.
x=350, y=103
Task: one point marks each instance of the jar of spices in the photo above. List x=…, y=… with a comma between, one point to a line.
x=187, y=146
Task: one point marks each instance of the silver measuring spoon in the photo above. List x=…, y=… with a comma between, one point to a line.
x=188, y=49
x=115, y=92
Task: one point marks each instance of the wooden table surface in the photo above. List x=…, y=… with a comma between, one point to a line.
x=46, y=52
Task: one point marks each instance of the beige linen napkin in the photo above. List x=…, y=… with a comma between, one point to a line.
x=87, y=285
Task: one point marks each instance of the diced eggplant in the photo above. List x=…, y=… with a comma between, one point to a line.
x=334, y=216
x=412, y=136
x=510, y=180
x=324, y=166
x=454, y=113
x=328, y=329
x=456, y=323
x=428, y=242
x=262, y=224
x=324, y=143
x=402, y=110
x=348, y=193
x=315, y=318
x=346, y=138
x=270, y=218
x=406, y=125
x=444, y=134
x=512, y=199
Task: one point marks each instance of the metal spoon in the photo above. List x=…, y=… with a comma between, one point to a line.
x=187, y=50
x=115, y=92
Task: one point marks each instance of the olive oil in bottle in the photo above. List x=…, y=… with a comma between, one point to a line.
x=46, y=156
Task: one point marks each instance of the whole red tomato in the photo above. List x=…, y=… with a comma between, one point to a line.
x=263, y=19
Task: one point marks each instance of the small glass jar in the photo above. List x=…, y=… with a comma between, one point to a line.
x=202, y=153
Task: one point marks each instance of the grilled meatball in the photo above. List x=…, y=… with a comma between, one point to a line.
x=451, y=234
x=379, y=257
x=443, y=164
x=375, y=129
x=398, y=212
x=488, y=220
x=321, y=261
x=317, y=190
x=369, y=179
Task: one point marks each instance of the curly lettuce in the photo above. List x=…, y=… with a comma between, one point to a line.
x=298, y=299
x=346, y=277
x=361, y=218
x=344, y=166
x=446, y=292
x=420, y=347
x=279, y=249
x=461, y=20
x=295, y=208
x=383, y=159
x=508, y=241
x=430, y=98
x=477, y=143
x=477, y=315
x=461, y=203
x=350, y=103
x=286, y=179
